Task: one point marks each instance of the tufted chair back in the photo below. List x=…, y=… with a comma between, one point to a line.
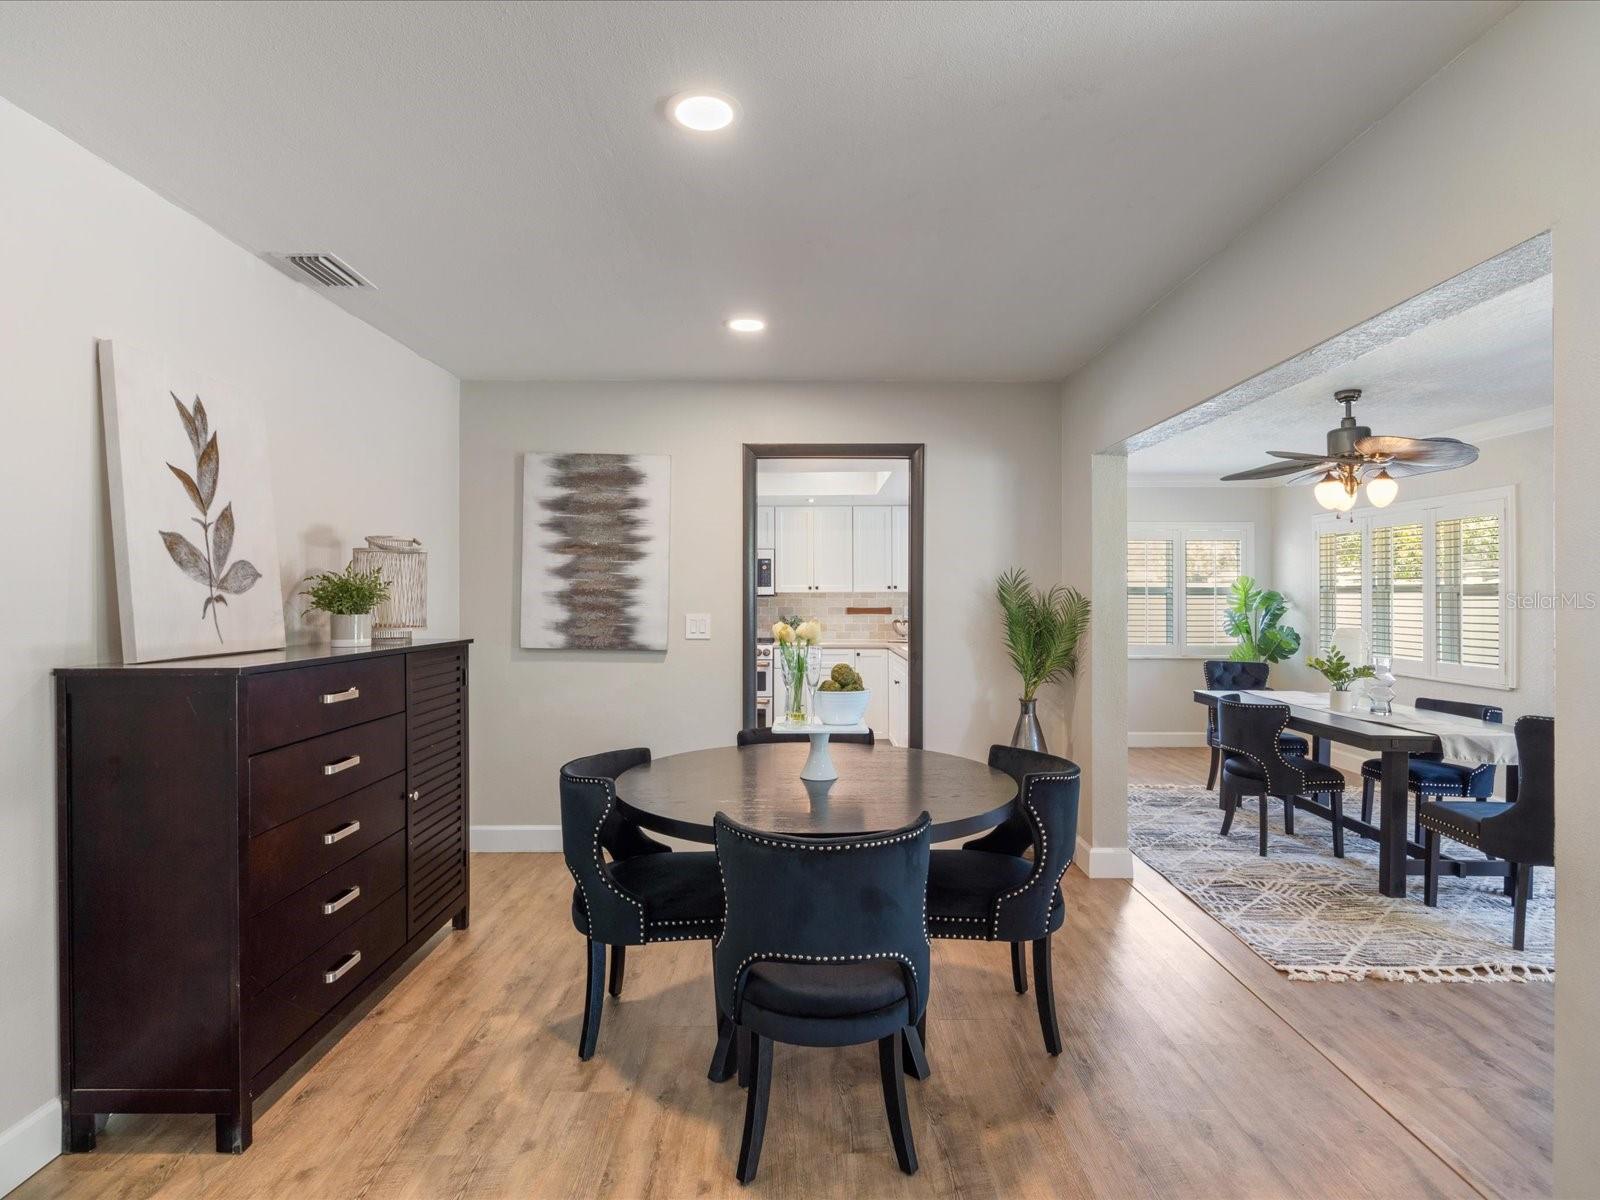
x=1225, y=673
x=821, y=900
x=1251, y=731
x=1526, y=832
x=591, y=830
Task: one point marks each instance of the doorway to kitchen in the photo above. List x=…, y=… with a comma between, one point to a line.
x=834, y=534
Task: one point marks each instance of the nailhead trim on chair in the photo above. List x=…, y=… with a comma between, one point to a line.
x=1327, y=786
x=791, y=845
x=594, y=844
x=1044, y=852
x=771, y=956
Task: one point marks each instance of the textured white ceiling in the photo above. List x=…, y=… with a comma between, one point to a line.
x=1481, y=372
x=914, y=191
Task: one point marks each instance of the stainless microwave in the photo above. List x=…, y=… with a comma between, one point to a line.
x=764, y=573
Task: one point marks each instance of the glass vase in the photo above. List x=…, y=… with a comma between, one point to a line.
x=1380, y=688
x=792, y=663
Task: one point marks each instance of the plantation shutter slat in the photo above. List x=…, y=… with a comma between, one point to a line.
x=1150, y=586
x=1467, y=591
x=1210, y=565
x=1397, y=601
x=1338, y=584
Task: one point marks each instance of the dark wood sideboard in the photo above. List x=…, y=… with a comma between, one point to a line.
x=249, y=847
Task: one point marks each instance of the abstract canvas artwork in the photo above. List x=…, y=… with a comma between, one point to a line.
x=594, y=551
x=192, y=521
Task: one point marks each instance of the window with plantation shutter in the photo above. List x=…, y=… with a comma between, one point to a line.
x=1430, y=583
x=1150, y=600
x=1179, y=580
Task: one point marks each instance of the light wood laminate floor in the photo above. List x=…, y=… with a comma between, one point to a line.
x=1191, y=1069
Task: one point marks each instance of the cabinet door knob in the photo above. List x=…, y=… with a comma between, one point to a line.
x=343, y=968
x=414, y=796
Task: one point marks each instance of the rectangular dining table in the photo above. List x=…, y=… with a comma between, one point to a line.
x=1394, y=738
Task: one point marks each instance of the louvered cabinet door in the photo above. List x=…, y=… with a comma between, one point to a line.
x=436, y=782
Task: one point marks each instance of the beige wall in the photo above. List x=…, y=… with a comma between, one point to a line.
x=993, y=452
x=1500, y=146
x=362, y=441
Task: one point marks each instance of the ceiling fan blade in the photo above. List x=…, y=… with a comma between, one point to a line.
x=1312, y=476
x=1271, y=471
x=1298, y=457
x=1433, y=454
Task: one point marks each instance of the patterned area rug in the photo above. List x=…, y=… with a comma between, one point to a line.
x=1315, y=916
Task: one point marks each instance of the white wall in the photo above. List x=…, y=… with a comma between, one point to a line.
x=1500, y=146
x=1161, y=707
x=991, y=502
x=363, y=439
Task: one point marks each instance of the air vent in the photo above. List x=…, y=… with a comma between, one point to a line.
x=324, y=270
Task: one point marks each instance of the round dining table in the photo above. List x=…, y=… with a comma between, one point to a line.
x=879, y=788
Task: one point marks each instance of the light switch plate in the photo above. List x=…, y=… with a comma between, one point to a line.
x=697, y=627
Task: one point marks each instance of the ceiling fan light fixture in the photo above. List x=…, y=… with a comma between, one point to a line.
x=1329, y=492
x=1346, y=501
x=1382, y=488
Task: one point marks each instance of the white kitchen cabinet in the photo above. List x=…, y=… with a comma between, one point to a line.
x=873, y=553
x=899, y=548
x=813, y=548
x=764, y=527
x=873, y=667
x=791, y=548
x=899, y=701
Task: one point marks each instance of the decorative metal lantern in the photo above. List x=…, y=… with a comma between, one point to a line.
x=404, y=565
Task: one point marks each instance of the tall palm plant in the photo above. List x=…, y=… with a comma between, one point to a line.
x=1043, y=629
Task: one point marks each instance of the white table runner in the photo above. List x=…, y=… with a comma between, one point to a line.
x=1462, y=739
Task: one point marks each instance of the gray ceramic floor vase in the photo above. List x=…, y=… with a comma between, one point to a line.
x=1027, y=735
x=350, y=629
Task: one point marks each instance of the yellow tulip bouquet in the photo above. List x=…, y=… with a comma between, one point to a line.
x=799, y=653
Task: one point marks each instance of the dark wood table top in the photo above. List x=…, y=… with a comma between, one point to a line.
x=1348, y=728
x=879, y=788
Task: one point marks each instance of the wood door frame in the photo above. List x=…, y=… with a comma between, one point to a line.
x=912, y=452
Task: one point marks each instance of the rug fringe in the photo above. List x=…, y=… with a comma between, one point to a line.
x=1486, y=973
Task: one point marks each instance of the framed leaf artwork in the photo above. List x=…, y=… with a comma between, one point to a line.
x=191, y=511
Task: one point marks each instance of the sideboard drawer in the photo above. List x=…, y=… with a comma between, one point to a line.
x=282, y=936
x=285, y=859
x=281, y=1013
x=295, y=779
x=290, y=706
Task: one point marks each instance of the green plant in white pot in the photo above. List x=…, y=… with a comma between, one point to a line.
x=1340, y=674
x=1043, y=631
x=348, y=597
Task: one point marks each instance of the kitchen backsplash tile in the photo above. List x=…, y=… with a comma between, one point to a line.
x=829, y=609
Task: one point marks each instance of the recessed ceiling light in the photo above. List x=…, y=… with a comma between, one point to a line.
x=746, y=324
x=703, y=112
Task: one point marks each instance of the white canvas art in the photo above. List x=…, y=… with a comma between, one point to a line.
x=191, y=511
x=594, y=551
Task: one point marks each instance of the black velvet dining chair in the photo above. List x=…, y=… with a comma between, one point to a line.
x=1522, y=832
x=766, y=737
x=1225, y=673
x=1429, y=777
x=987, y=891
x=1254, y=764
x=631, y=890
x=824, y=944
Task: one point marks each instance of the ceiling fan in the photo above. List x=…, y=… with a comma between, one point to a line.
x=1355, y=456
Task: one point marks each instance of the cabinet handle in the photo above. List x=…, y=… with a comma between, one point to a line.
x=414, y=796
x=343, y=968
x=350, y=693
x=339, y=834
x=344, y=764
x=350, y=893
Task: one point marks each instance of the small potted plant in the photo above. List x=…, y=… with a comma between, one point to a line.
x=842, y=698
x=1336, y=669
x=348, y=597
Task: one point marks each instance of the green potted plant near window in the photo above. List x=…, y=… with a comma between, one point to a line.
x=1254, y=617
x=1340, y=674
x=1043, y=631
x=348, y=597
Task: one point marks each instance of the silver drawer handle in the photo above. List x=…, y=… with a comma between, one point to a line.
x=350, y=693
x=339, y=834
x=350, y=893
x=338, y=972
x=344, y=764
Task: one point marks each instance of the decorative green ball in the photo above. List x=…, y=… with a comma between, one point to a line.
x=828, y=685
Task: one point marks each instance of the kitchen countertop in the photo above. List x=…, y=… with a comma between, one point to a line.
x=894, y=647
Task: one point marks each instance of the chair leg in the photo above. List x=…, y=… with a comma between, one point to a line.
x=1366, y=801
x=1519, y=920
x=1211, y=776
x=1230, y=804
x=1509, y=884
x=1336, y=802
x=1045, y=994
x=1430, y=881
x=725, y=1058
x=619, y=964
x=1288, y=815
x=1263, y=800
x=915, y=1057
x=755, y=1108
x=1019, y=968
x=894, y=1102
x=747, y=1054
x=593, y=998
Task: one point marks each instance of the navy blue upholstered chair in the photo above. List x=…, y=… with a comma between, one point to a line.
x=1431, y=778
x=824, y=943
x=1245, y=676
x=631, y=890
x=1523, y=832
x=987, y=891
x=1254, y=764
x=765, y=737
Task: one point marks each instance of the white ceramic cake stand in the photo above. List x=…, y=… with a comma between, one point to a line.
x=819, y=766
